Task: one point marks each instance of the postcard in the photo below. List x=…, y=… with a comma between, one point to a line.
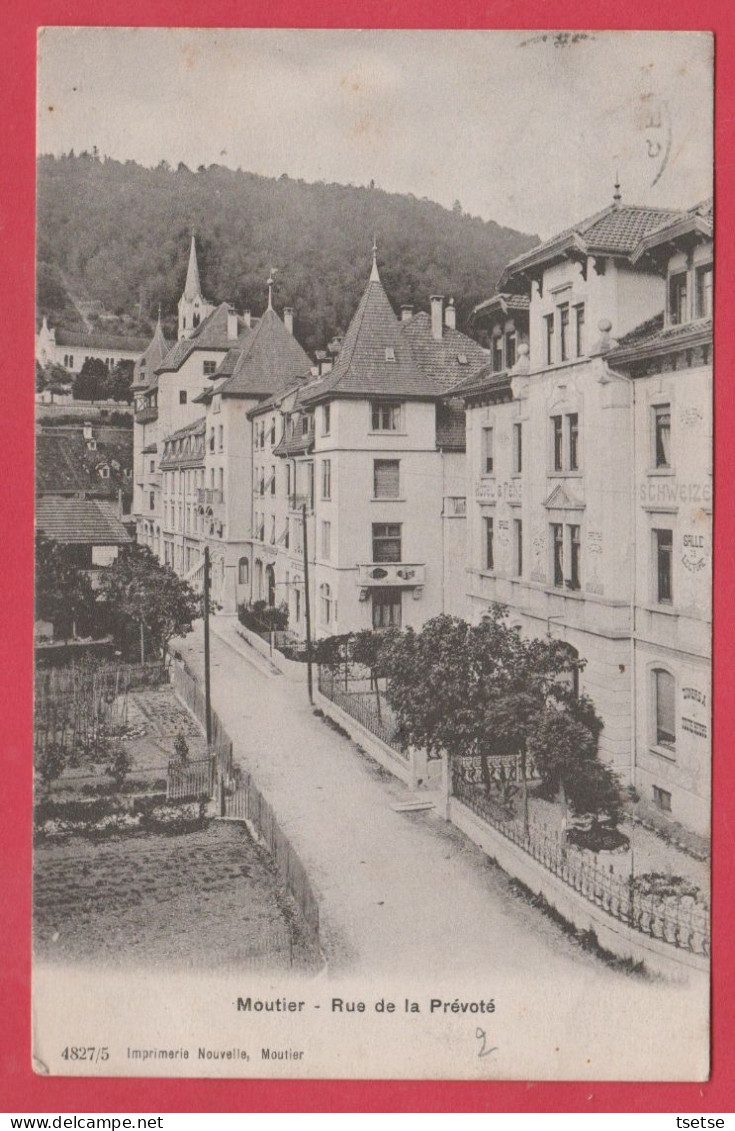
x=374, y=497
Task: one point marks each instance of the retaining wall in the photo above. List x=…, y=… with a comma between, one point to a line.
x=658, y=957
x=292, y=669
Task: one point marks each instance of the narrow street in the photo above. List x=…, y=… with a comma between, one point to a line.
x=397, y=890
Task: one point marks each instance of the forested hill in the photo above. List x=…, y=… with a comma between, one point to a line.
x=117, y=234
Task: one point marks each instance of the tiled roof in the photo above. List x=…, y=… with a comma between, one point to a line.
x=652, y=336
x=450, y=425
x=485, y=381
x=615, y=230
x=375, y=358
x=506, y=302
x=268, y=362
x=446, y=360
x=192, y=286
x=98, y=340
x=65, y=463
x=146, y=415
x=150, y=450
x=298, y=443
x=210, y=334
x=80, y=521
x=196, y=426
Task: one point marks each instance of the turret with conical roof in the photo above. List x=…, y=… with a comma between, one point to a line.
x=154, y=354
x=193, y=307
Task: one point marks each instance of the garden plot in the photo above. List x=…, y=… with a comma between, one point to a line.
x=208, y=899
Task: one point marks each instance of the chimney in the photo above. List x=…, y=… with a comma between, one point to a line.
x=246, y=318
x=406, y=312
x=231, y=323
x=437, y=302
x=450, y=315
x=288, y=318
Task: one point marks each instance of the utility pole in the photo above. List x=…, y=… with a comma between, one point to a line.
x=307, y=607
x=207, y=685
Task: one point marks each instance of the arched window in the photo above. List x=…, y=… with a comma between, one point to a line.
x=243, y=571
x=664, y=709
x=325, y=602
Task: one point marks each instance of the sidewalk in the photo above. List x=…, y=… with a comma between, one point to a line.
x=397, y=890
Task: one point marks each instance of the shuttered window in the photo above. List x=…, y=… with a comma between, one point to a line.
x=386, y=478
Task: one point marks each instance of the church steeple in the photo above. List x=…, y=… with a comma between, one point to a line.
x=193, y=307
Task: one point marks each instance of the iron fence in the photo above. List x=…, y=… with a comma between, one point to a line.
x=185, y=685
x=188, y=781
x=368, y=706
x=679, y=920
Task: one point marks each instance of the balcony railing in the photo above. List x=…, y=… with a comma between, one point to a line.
x=209, y=496
x=455, y=506
x=399, y=574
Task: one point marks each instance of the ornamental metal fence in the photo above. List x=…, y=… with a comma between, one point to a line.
x=353, y=694
x=191, y=781
x=679, y=920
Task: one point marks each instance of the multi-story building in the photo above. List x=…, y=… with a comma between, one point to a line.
x=374, y=452
x=563, y=525
x=71, y=348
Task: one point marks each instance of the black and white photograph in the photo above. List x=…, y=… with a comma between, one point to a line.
x=373, y=544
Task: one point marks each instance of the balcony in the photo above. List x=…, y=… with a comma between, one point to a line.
x=396, y=574
x=209, y=496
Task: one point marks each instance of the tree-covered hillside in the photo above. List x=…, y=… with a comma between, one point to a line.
x=117, y=234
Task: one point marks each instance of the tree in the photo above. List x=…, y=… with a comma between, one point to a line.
x=64, y=594
x=484, y=691
x=92, y=382
x=120, y=766
x=148, y=599
x=370, y=649
x=120, y=381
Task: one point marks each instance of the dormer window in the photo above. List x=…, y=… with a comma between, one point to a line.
x=704, y=291
x=390, y=353
x=497, y=354
x=304, y=424
x=462, y=358
x=678, y=299
x=209, y=368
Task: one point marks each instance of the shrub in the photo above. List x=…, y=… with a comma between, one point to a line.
x=181, y=748
x=120, y=766
x=50, y=762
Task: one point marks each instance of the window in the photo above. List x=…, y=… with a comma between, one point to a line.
x=489, y=542
x=326, y=419
x=497, y=354
x=573, y=427
x=579, y=330
x=288, y=480
x=325, y=603
x=564, y=331
x=704, y=292
x=385, y=416
x=662, y=435
x=182, y=396
x=211, y=439
x=386, y=542
x=221, y=437
x=386, y=478
x=261, y=484
x=662, y=799
x=487, y=451
x=517, y=449
x=387, y=608
x=518, y=547
x=152, y=500
x=664, y=695
x=304, y=424
x=510, y=350
x=574, y=557
x=262, y=433
x=255, y=437
x=557, y=550
x=663, y=549
x=273, y=529
x=153, y=465
x=209, y=368
x=549, y=320
x=273, y=480
x=678, y=299
x=326, y=478
x=558, y=440
x=273, y=430
x=221, y=480
x=326, y=540
x=287, y=535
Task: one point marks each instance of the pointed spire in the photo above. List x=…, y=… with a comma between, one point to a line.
x=193, y=286
x=617, y=195
x=374, y=275
x=271, y=281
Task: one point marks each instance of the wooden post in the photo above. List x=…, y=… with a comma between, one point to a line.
x=307, y=608
x=207, y=685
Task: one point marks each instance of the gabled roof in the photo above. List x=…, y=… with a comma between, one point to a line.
x=269, y=361
x=79, y=521
x=505, y=303
x=210, y=334
x=446, y=360
x=482, y=382
x=376, y=358
x=197, y=426
x=616, y=230
x=652, y=338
